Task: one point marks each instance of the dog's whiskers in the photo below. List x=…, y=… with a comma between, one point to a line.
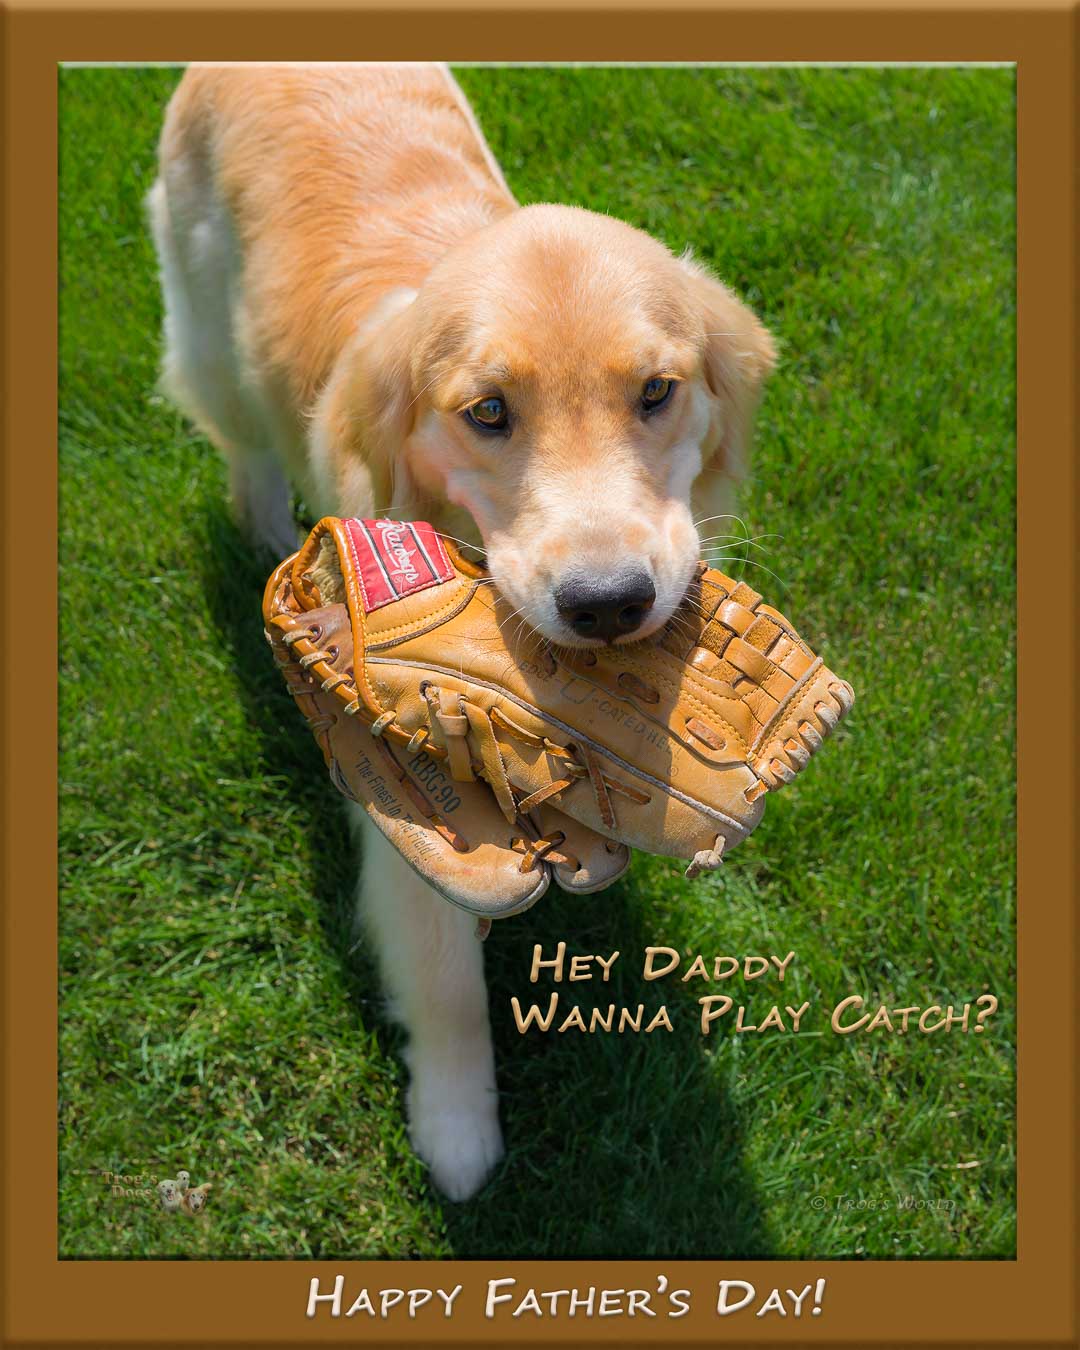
x=741, y=537
x=740, y=540
x=423, y=391
x=724, y=515
x=463, y=542
x=750, y=562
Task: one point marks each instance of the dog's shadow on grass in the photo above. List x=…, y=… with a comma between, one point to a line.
x=233, y=579
x=618, y=1145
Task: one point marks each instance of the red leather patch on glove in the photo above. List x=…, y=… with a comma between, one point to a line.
x=394, y=558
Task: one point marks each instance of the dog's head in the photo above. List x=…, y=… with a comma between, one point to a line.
x=564, y=379
x=197, y=1198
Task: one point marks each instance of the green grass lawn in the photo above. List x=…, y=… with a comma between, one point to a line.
x=215, y=1012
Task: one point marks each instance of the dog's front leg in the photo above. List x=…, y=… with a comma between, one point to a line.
x=433, y=974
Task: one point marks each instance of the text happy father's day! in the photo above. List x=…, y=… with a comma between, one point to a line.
x=509, y=1298
x=850, y=1014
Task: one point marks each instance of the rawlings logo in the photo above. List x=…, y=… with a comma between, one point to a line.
x=392, y=536
x=394, y=558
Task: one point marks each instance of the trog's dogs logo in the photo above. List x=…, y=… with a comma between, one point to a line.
x=174, y=1195
x=179, y=1196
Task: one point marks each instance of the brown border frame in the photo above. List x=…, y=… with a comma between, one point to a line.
x=1026, y=1302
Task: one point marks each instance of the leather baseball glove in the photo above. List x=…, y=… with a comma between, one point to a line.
x=492, y=759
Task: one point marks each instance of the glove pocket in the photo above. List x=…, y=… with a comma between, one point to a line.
x=667, y=801
x=642, y=701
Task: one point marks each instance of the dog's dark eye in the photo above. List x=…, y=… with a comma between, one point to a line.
x=656, y=392
x=489, y=414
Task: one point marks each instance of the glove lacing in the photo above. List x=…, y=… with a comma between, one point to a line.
x=451, y=718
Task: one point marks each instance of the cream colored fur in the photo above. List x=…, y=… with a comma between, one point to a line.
x=344, y=271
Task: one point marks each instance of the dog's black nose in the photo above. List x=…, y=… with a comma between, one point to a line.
x=606, y=607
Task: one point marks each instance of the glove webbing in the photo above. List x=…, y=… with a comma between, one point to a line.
x=750, y=647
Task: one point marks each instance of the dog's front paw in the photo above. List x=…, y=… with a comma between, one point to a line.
x=460, y=1141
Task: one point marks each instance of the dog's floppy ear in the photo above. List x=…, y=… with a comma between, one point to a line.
x=366, y=412
x=739, y=354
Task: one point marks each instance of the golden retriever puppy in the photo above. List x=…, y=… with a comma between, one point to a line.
x=355, y=303
x=169, y=1195
x=193, y=1201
